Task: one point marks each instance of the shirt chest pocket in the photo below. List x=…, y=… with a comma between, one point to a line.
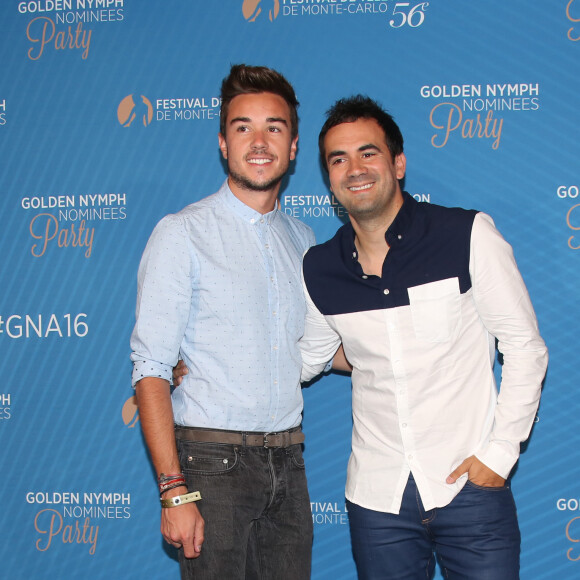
x=436, y=310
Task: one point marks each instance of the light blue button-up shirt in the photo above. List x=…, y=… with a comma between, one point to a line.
x=219, y=285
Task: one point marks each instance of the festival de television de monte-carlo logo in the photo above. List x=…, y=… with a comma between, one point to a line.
x=135, y=109
x=254, y=9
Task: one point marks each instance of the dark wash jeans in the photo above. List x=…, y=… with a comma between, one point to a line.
x=255, y=503
x=475, y=537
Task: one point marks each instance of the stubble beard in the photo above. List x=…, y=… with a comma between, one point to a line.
x=363, y=214
x=248, y=184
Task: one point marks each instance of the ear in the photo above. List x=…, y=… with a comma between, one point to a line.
x=223, y=145
x=400, y=165
x=293, y=148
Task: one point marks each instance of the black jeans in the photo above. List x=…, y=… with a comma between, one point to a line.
x=255, y=503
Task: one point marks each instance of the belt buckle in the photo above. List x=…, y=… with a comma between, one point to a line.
x=279, y=435
x=266, y=442
x=284, y=440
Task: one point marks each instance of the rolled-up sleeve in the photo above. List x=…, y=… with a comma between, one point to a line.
x=505, y=309
x=163, y=300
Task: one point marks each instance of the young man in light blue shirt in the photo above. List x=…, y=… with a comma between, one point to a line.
x=219, y=286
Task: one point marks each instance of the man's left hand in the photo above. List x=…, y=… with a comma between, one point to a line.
x=477, y=473
x=179, y=371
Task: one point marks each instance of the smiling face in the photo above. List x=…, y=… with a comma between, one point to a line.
x=257, y=144
x=362, y=173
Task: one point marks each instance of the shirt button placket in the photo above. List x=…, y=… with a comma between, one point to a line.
x=399, y=374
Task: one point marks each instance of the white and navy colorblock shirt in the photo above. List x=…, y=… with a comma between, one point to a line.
x=421, y=340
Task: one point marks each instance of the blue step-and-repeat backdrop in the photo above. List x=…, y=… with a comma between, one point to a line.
x=109, y=113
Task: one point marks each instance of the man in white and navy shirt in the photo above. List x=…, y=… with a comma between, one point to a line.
x=418, y=294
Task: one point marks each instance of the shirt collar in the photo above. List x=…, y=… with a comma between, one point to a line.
x=397, y=232
x=244, y=211
x=399, y=228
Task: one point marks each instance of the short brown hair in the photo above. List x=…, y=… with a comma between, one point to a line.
x=244, y=80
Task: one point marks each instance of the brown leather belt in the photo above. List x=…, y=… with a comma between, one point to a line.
x=267, y=440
